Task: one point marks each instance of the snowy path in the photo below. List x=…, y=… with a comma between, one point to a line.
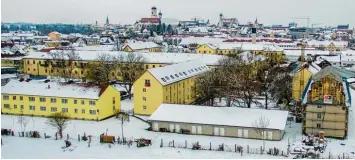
x=351, y=120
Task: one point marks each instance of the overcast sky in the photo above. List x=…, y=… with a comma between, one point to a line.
x=328, y=12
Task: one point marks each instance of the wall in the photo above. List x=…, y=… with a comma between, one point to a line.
x=297, y=90
x=229, y=131
x=153, y=95
x=109, y=102
x=181, y=92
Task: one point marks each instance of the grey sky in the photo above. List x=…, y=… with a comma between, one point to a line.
x=328, y=12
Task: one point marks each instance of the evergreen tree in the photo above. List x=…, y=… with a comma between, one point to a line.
x=169, y=29
x=163, y=28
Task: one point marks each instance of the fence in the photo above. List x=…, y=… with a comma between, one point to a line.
x=222, y=147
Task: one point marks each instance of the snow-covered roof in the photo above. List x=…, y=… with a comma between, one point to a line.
x=179, y=71
x=224, y=116
x=141, y=45
x=200, y=40
x=55, y=89
x=326, y=43
x=245, y=46
x=198, y=29
x=312, y=67
x=6, y=76
x=156, y=57
x=95, y=48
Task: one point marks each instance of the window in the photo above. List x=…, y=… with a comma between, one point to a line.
x=32, y=108
x=91, y=103
x=53, y=109
x=21, y=107
x=6, y=106
x=146, y=66
x=163, y=79
x=21, y=98
x=153, y=66
x=147, y=83
x=318, y=125
x=319, y=115
x=43, y=108
x=83, y=111
x=31, y=99
x=176, y=76
x=13, y=97
x=75, y=101
x=15, y=106
x=172, y=77
x=319, y=106
x=75, y=110
x=145, y=90
x=5, y=97
x=180, y=74
x=64, y=110
x=167, y=78
x=166, y=98
x=93, y=112
x=53, y=100
x=42, y=99
x=144, y=107
x=64, y=101
x=184, y=73
x=144, y=99
x=113, y=100
x=82, y=102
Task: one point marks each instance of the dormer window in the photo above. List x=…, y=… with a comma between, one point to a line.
x=184, y=73
x=172, y=77
x=167, y=78
x=176, y=76
x=196, y=70
x=147, y=83
x=180, y=74
x=163, y=79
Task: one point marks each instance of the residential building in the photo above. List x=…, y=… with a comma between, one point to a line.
x=301, y=75
x=42, y=64
x=79, y=101
x=270, y=51
x=55, y=36
x=219, y=121
x=169, y=84
x=327, y=98
x=138, y=46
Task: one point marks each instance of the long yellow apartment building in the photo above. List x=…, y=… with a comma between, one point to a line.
x=79, y=101
x=170, y=84
x=328, y=98
x=42, y=64
x=226, y=48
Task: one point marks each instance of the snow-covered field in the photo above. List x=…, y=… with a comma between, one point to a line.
x=16, y=147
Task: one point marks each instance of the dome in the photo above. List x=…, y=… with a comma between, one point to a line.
x=220, y=14
x=154, y=7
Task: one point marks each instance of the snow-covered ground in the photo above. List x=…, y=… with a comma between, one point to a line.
x=16, y=147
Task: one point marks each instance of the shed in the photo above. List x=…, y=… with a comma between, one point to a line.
x=218, y=121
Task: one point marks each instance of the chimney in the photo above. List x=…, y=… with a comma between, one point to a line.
x=49, y=86
x=253, y=35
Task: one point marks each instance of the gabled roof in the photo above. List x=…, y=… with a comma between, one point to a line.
x=222, y=116
x=312, y=67
x=177, y=72
x=142, y=45
x=337, y=73
x=56, y=89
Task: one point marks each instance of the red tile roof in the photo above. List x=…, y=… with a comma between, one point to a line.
x=149, y=20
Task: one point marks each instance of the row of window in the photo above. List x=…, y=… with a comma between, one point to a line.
x=53, y=109
x=53, y=100
x=166, y=78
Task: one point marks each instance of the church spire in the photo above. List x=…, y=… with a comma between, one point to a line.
x=107, y=21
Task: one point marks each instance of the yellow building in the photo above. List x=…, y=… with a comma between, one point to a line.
x=80, y=101
x=270, y=51
x=42, y=64
x=170, y=84
x=327, y=98
x=54, y=35
x=142, y=46
x=301, y=77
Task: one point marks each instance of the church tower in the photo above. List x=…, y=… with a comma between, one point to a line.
x=107, y=21
x=154, y=12
x=160, y=15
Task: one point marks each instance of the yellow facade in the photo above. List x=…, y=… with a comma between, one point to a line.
x=147, y=98
x=54, y=44
x=276, y=56
x=299, y=83
x=77, y=108
x=9, y=62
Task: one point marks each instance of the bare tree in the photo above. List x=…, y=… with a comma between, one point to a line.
x=123, y=116
x=23, y=121
x=58, y=120
x=131, y=67
x=66, y=62
x=117, y=45
x=260, y=127
x=207, y=87
x=102, y=69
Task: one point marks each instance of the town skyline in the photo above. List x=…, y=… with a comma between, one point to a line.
x=208, y=10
